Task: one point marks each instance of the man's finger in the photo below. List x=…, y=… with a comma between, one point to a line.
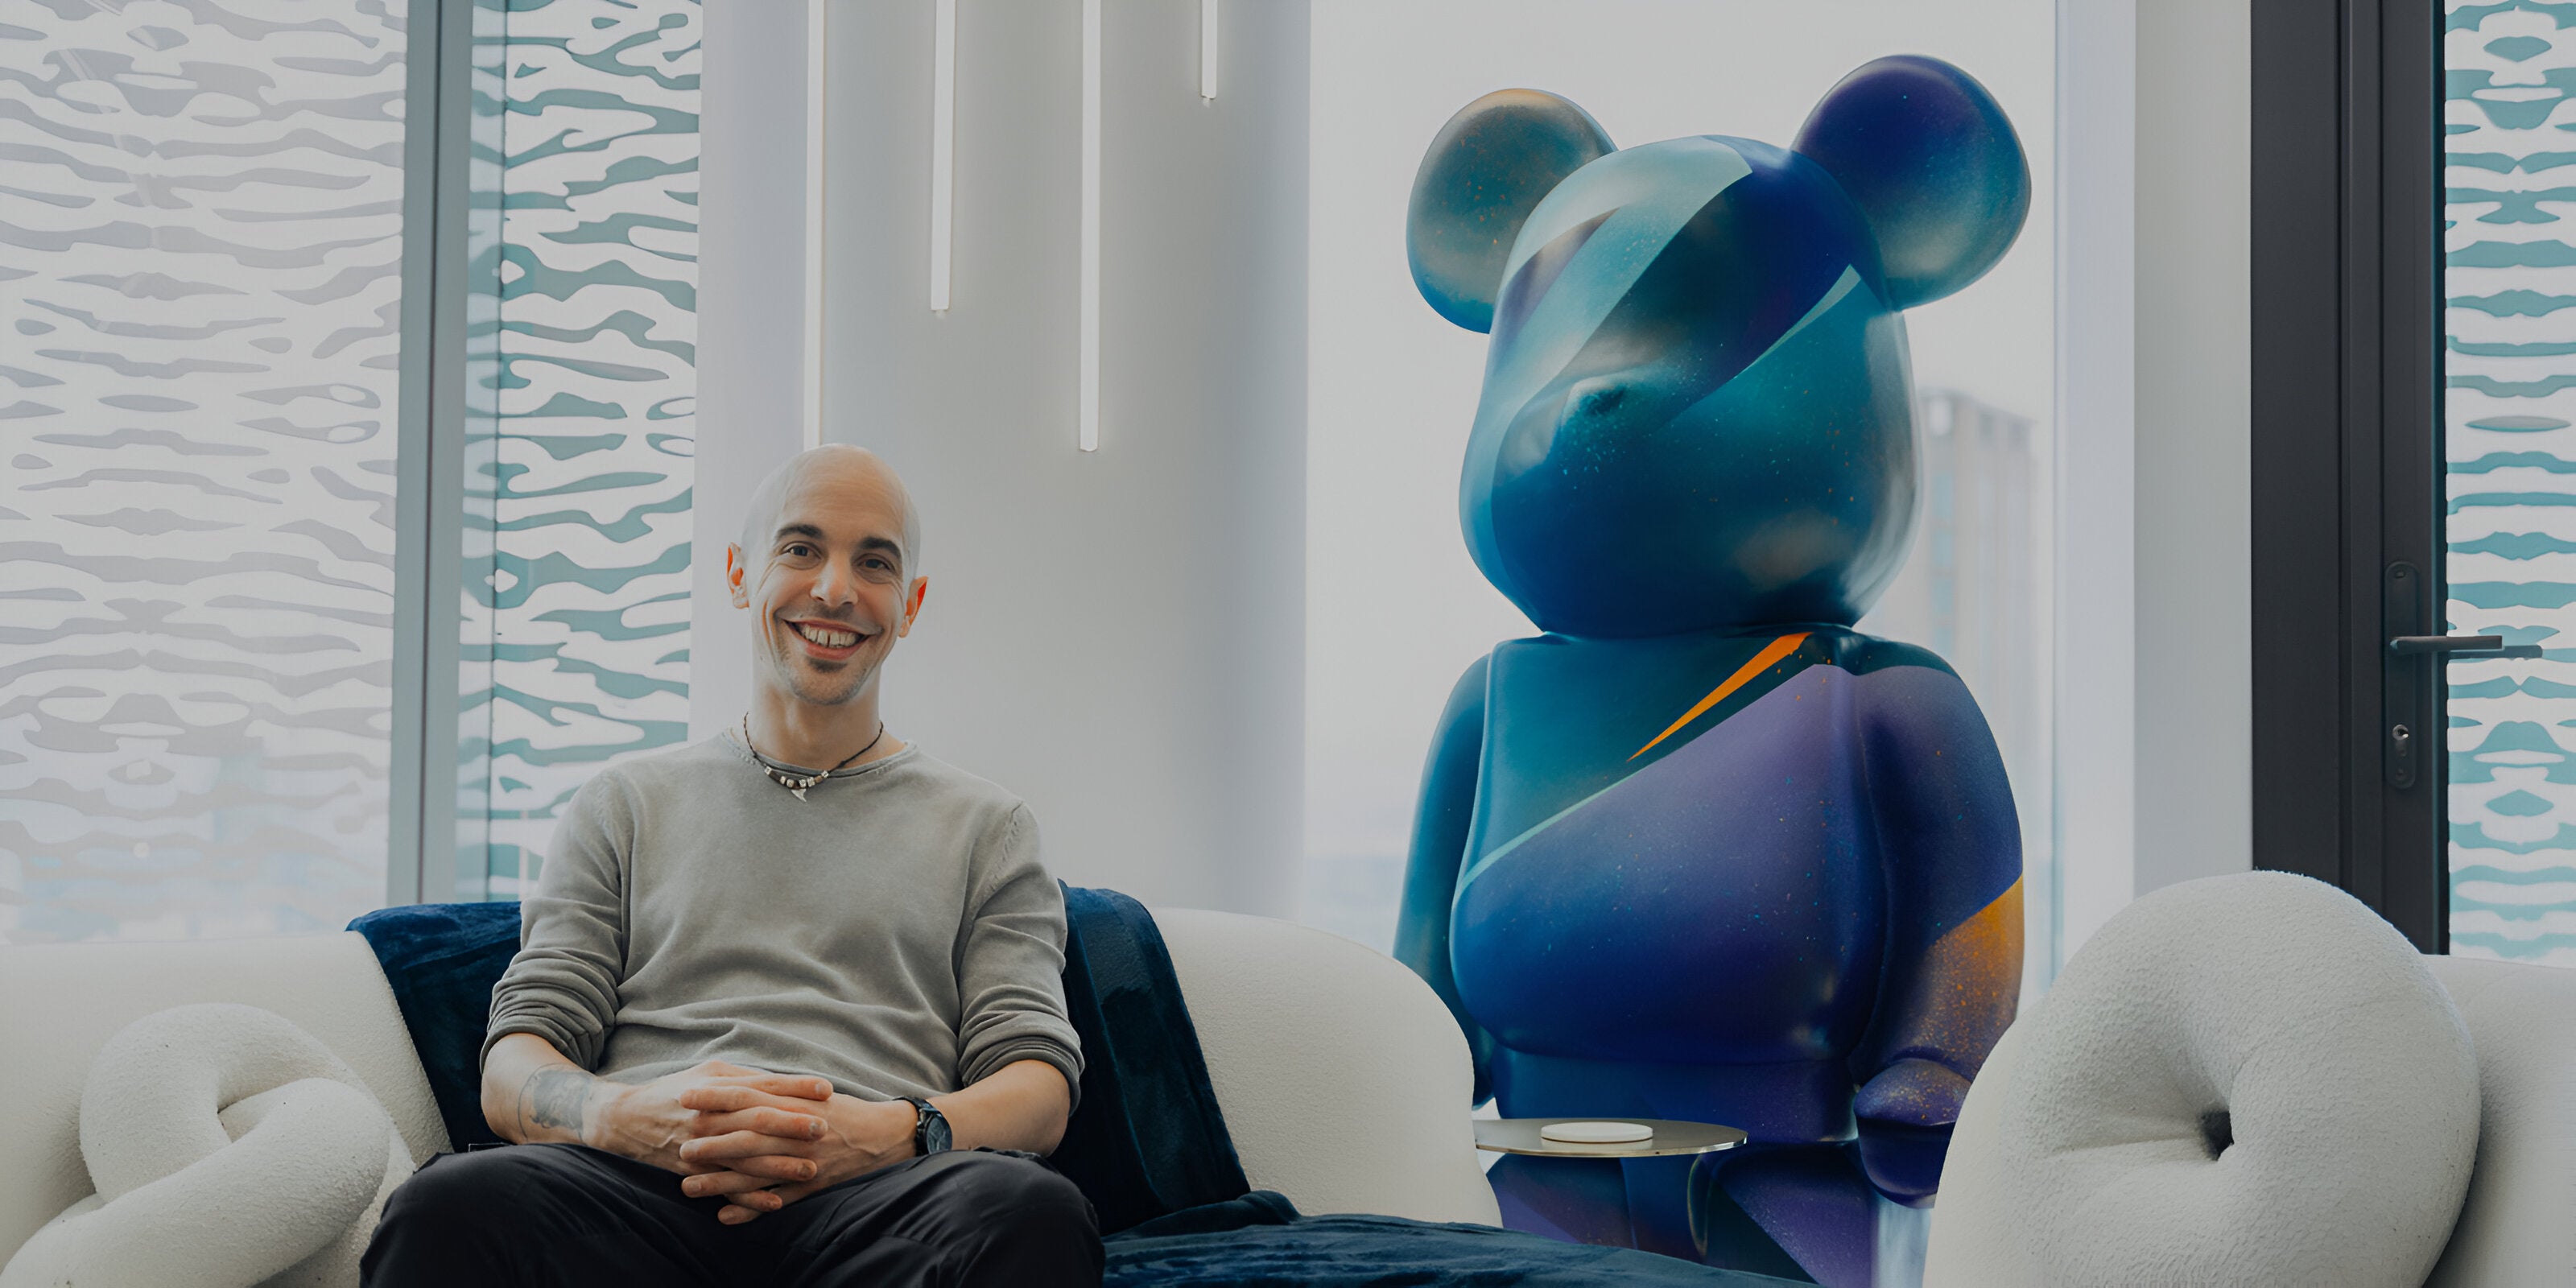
x=765, y=1200
x=765, y=1121
x=734, y=1147
x=772, y=1169
x=724, y=1181
x=798, y=1086
x=786, y=1194
x=727, y=1097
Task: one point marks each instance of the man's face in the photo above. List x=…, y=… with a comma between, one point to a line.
x=832, y=591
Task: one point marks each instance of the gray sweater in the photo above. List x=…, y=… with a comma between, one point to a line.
x=893, y=932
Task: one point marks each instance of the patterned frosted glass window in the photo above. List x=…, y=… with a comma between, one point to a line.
x=200, y=233
x=2510, y=432
x=584, y=317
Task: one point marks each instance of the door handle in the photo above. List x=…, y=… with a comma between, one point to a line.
x=2413, y=665
x=2470, y=646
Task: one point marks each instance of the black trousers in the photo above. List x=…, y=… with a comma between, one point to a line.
x=545, y=1215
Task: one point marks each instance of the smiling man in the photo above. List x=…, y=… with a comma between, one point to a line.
x=788, y=1004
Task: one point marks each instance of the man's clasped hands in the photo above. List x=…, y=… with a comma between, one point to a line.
x=761, y=1140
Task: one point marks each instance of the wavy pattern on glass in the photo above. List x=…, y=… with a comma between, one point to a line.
x=584, y=321
x=2510, y=426
x=200, y=229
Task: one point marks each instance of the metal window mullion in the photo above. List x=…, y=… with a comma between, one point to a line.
x=420, y=860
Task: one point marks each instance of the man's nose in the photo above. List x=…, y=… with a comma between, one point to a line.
x=835, y=585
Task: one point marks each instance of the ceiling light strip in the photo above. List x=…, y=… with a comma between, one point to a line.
x=817, y=29
x=943, y=151
x=1207, y=48
x=1089, y=379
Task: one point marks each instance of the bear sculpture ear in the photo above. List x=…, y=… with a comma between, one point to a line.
x=1485, y=172
x=1934, y=166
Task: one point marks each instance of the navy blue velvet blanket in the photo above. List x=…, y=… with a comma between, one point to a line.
x=1148, y=1144
x=1260, y=1240
x=442, y=960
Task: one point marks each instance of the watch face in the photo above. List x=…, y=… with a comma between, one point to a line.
x=934, y=1133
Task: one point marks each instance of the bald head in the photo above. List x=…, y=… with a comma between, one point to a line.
x=833, y=465
x=830, y=566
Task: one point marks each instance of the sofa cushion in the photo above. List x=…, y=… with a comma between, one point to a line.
x=1344, y=1078
x=1147, y=1138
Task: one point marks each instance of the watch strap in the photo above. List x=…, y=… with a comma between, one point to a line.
x=922, y=1112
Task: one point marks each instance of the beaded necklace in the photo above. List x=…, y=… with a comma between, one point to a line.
x=801, y=783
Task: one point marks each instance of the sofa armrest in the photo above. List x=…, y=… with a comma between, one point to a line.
x=66, y=1000
x=2514, y=1228
x=1344, y=1081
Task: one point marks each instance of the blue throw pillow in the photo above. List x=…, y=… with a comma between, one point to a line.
x=442, y=960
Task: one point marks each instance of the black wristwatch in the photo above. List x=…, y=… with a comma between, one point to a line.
x=929, y=1128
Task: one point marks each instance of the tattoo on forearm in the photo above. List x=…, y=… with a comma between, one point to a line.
x=555, y=1098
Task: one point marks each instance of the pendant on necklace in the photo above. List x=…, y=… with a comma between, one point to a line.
x=800, y=792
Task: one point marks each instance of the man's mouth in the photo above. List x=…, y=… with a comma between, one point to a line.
x=827, y=638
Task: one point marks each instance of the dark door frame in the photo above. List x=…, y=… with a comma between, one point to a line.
x=2347, y=451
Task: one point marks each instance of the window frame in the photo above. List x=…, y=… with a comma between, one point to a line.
x=420, y=849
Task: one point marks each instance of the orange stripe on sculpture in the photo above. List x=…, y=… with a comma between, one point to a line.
x=1772, y=652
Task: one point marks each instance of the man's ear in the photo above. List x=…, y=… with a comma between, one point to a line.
x=740, y=593
x=1933, y=164
x=1485, y=172
x=912, y=606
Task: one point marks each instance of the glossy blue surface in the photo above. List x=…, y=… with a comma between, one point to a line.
x=1700, y=851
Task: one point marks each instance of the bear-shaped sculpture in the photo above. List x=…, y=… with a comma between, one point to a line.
x=1701, y=851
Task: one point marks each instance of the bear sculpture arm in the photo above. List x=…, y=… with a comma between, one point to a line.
x=1950, y=842
x=1439, y=849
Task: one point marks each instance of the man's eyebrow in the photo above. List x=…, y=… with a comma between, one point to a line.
x=806, y=530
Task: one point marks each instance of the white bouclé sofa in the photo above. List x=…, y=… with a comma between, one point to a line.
x=1342, y=1078
x=2355, y=1111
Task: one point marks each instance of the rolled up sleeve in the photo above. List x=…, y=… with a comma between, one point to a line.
x=1010, y=968
x=562, y=985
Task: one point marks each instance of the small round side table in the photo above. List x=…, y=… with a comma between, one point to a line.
x=1520, y=1136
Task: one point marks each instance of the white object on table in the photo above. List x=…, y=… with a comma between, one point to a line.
x=1596, y=1133
x=1662, y=1136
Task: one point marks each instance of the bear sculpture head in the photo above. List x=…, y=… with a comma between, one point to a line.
x=1697, y=409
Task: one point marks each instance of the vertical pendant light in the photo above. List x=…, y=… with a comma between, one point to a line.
x=817, y=30
x=1088, y=410
x=1207, y=48
x=943, y=150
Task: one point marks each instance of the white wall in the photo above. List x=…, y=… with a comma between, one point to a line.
x=2097, y=615
x=2155, y=730
x=2195, y=385
x=1113, y=635
x=751, y=293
